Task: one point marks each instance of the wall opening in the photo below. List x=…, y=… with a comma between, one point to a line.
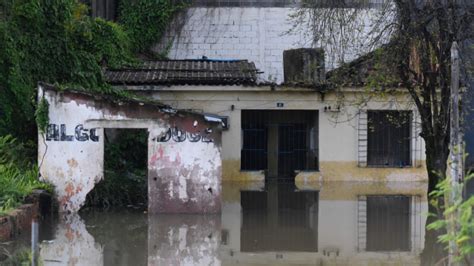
x=125, y=180
x=280, y=142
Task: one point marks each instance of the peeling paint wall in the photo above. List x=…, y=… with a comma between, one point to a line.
x=184, y=152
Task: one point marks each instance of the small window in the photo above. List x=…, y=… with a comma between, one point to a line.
x=389, y=138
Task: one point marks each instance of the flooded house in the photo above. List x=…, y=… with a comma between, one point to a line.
x=303, y=129
x=299, y=176
x=312, y=173
x=276, y=154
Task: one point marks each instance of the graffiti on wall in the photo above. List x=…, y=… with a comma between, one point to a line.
x=57, y=132
x=178, y=135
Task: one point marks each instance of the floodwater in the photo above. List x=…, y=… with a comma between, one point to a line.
x=332, y=223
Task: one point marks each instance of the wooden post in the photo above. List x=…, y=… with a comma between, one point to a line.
x=455, y=165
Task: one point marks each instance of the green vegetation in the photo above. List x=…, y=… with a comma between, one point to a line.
x=57, y=42
x=463, y=235
x=21, y=257
x=18, y=175
x=145, y=21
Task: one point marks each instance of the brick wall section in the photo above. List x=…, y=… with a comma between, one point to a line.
x=19, y=220
x=257, y=34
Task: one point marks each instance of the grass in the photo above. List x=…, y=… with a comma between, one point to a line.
x=18, y=174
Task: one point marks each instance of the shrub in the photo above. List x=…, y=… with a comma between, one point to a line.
x=18, y=176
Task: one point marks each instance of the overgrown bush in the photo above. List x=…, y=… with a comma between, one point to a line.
x=18, y=175
x=54, y=41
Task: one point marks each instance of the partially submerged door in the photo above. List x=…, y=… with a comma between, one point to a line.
x=292, y=149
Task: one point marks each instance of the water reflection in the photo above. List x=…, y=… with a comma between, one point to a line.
x=336, y=223
x=72, y=244
x=279, y=218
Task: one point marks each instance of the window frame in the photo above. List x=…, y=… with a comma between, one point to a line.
x=409, y=163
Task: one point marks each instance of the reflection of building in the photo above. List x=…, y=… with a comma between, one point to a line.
x=286, y=221
x=132, y=238
x=183, y=239
x=72, y=245
x=356, y=223
x=327, y=223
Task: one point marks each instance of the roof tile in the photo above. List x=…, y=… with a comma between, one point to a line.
x=185, y=72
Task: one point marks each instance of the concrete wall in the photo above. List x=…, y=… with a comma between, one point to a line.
x=258, y=34
x=184, y=164
x=338, y=130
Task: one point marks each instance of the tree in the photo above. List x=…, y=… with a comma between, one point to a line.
x=416, y=36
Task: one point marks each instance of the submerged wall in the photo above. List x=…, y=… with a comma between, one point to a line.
x=184, y=151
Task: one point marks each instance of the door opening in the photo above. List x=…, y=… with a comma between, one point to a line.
x=125, y=180
x=279, y=142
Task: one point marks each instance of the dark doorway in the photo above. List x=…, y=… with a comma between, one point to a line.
x=388, y=223
x=125, y=182
x=292, y=148
x=280, y=142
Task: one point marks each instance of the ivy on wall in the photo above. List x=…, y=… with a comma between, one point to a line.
x=54, y=41
x=145, y=21
x=57, y=42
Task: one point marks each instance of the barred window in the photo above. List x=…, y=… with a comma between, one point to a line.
x=389, y=138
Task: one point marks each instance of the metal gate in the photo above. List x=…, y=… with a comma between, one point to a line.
x=292, y=135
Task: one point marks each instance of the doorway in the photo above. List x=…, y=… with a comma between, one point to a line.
x=279, y=142
x=125, y=182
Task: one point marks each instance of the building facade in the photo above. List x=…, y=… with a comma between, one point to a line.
x=305, y=133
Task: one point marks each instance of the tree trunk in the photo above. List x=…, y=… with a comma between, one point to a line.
x=436, y=164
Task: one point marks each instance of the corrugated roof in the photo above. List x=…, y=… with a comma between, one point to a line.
x=186, y=72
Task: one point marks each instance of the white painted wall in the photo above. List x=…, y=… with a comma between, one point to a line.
x=183, y=175
x=257, y=34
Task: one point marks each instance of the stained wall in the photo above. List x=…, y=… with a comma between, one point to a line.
x=184, y=151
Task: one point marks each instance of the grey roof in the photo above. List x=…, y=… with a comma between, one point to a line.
x=185, y=72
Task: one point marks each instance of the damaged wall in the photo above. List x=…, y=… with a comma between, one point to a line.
x=184, y=151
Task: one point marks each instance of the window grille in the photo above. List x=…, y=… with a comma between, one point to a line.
x=389, y=138
x=288, y=139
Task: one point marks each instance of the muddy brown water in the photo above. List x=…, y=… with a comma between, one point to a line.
x=331, y=223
